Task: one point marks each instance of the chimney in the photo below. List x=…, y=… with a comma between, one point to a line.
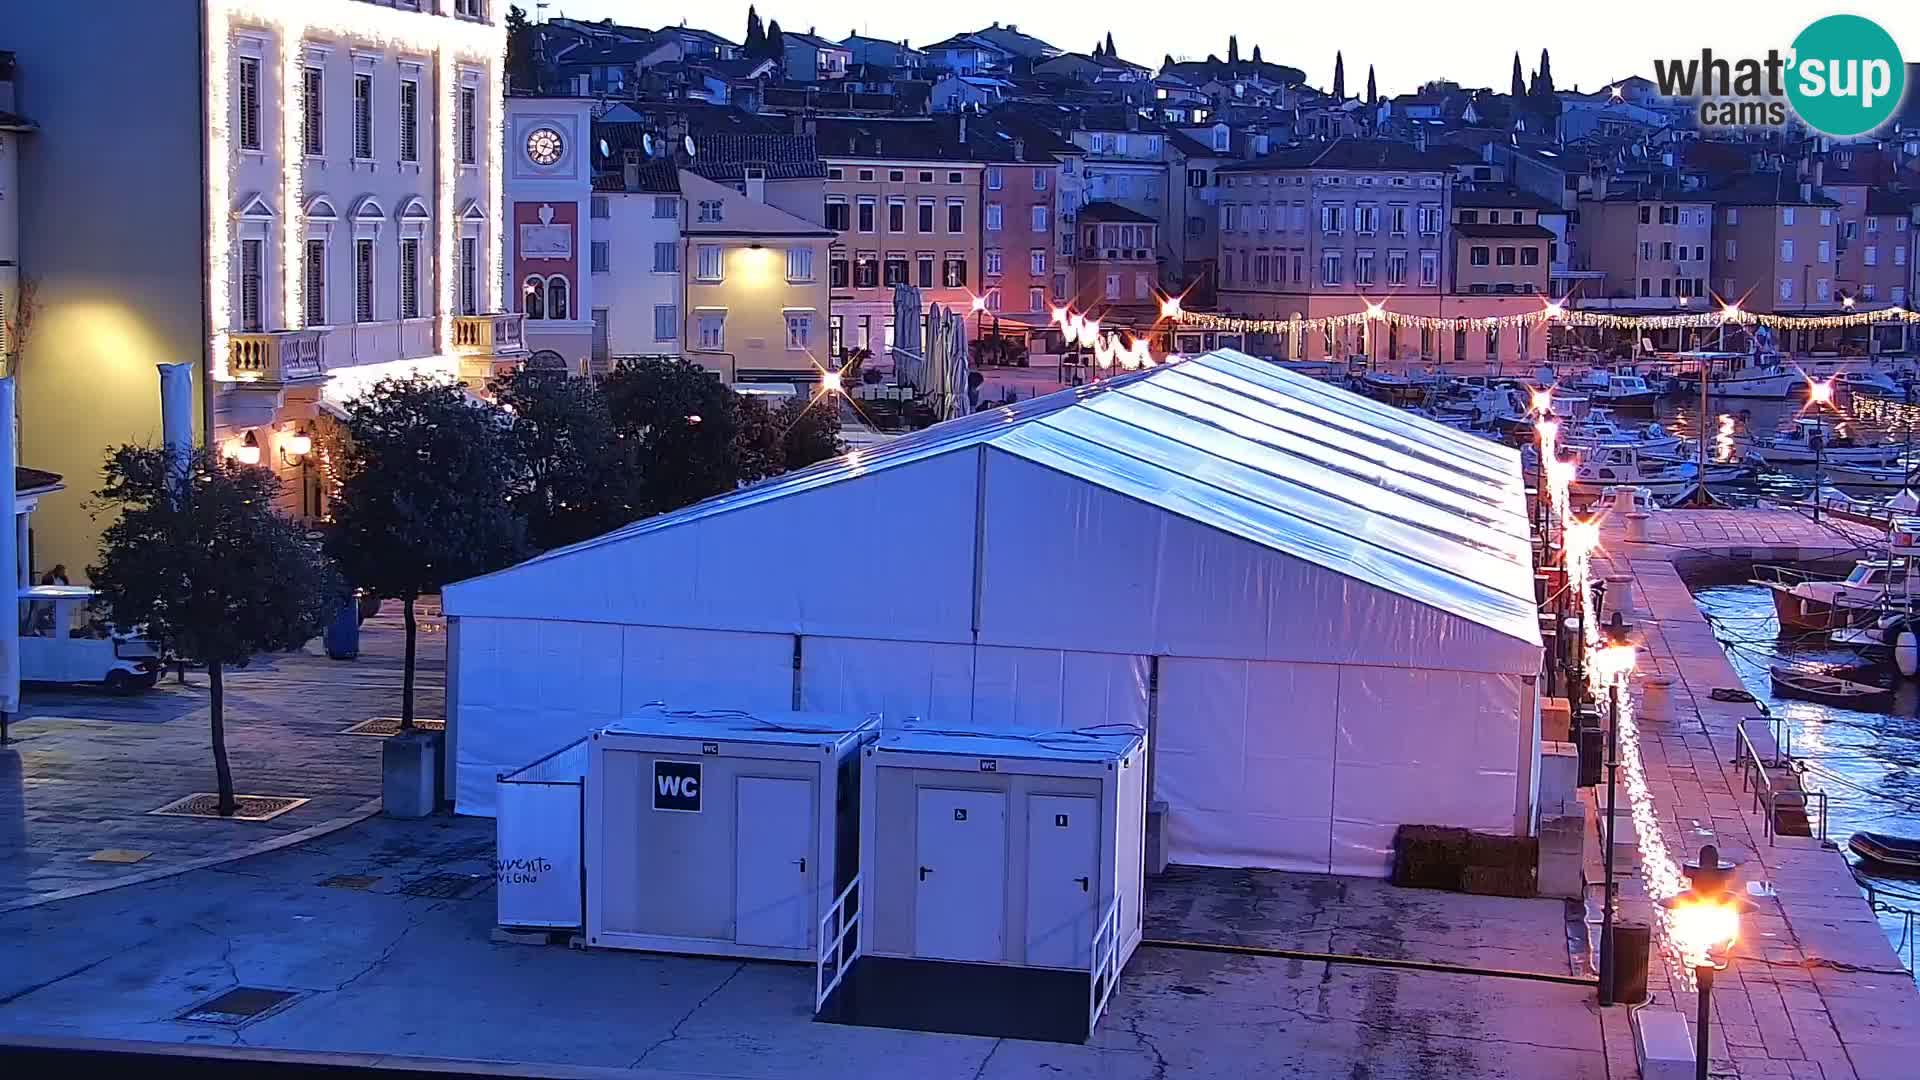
x=756, y=177
x=1019, y=148
x=630, y=171
x=1806, y=191
x=963, y=122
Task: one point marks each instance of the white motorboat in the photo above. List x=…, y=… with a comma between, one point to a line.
x=1623, y=389
x=1875, y=476
x=1599, y=428
x=1738, y=375
x=1796, y=446
x=1615, y=466
x=1871, y=384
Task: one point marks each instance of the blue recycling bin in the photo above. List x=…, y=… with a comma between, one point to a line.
x=343, y=634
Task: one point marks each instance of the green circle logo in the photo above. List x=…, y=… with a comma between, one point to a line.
x=1846, y=76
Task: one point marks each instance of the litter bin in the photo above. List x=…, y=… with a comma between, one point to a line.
x=1632, y=942
x=343, y=634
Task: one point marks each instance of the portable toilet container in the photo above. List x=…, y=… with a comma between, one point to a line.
x=721, y=833
x=1001, y=883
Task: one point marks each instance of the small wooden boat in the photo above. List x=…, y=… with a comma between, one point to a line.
x=1827, y=690
x=1886, y=849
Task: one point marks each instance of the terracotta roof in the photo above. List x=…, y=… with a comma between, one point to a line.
x=659, y=177
x=727, y=156
x=1501, y=196
x=1898, y=202
x=1357, y=155
x=1504, y=232
x=932, y=138
x=1112, y=211
x=1765, y=189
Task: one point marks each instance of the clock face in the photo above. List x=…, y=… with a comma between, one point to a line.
x=543, y=146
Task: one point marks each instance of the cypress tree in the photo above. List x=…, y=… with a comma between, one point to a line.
x=1339, y=76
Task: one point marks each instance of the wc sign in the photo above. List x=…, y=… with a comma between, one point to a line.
x=676, y=786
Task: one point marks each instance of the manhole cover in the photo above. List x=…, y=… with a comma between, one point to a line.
x=117, y=855
x=240, y=1005
x=443, y=886
x=387, y=726
x=203, y=804
x=350, y=881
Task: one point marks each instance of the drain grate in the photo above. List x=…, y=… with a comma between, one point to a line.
x=203, y=804
x=444, y=886
x=382, y=727
x=240, y=1005
x=117, y=855
x=350, y=881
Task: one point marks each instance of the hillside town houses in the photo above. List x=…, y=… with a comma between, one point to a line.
x=382, y=186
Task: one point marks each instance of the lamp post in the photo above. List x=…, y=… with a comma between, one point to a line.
x=1706, y=922
x=1613, y=661
x=1819, y=395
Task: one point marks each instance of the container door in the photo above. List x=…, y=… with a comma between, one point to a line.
x=773, y=862
x=960, y=903
x=1063, y=865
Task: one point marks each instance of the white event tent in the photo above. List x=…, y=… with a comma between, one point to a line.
x=1320, y=607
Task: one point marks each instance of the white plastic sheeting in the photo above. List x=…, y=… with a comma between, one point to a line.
x=1339, y=595
x=537, y=841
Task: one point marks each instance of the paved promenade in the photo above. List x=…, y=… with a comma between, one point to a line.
x=1814, y=991
x=77, y=785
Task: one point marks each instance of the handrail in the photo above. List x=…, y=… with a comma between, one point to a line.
x=1102, y=974
x=1754, y=777
x=831, y=944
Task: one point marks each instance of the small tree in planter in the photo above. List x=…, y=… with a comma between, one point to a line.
x=201, y=563
x=681, y=422
x=424, y=497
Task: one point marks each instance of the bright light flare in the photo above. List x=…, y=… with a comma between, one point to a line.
x=1556, y=308
x=1616, y=661
x=1731, y=312
x=1376, y=310
x=1170, y=308
x=1702, y=926
x=1542, y=401
x=299, y=444
x=830, y=382
x=979, y=303
x=1820, y=391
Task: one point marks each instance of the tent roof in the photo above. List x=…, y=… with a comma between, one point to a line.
x=1298, y=466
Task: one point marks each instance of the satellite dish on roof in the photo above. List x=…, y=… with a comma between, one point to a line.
x=646, y=143
x=605, y=150
x=687, y=141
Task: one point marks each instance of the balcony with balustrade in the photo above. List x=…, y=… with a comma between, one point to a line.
x=489, y=345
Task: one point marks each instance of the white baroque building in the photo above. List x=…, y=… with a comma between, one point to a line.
x=298, y=198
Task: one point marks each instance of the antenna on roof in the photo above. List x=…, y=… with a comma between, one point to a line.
x=646, y=143
x=687, y=140
x=605, y=150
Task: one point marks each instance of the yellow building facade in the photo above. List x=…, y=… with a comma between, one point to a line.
x=756, y=306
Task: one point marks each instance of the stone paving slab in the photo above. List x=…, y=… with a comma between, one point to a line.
x=86, y=768
x=381, y=973
x=1814, y=989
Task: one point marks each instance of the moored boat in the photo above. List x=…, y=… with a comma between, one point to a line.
x=1808, y=603
x=1887, y=849
x=1828, y=690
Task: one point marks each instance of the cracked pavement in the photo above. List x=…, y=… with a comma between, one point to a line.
x=380, y=971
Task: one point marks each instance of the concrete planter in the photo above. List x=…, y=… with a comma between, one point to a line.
x=410, y=773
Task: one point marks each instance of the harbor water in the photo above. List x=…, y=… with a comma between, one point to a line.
x=1866, y=419
x=1868, y=764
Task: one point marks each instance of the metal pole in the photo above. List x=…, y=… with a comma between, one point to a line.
x=1702, y=1044
x=1607, y=973
x=1819, y=460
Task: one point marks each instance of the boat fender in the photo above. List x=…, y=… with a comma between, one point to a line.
x=1906, y=652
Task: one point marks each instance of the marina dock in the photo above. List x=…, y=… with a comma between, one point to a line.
x=1814, y=988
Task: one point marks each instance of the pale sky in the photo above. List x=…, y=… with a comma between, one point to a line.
x=1407, y=41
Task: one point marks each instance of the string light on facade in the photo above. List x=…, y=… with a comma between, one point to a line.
x=1554, y=312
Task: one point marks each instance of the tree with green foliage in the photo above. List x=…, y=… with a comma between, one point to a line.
x=1546, y=74
x=520, y=70
x=680, y=422
x=1519, y=79
x=1256, y=58
x=1109, y=43
x=1339, y=76
x=198, y=560
x=579, y=479
x=1233, y=48
x=755, y=44
x=1373, y=94
x=425, y=496
x=776, y=43
x=809, y=431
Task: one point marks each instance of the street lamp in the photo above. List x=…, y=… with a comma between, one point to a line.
x=1819, y=396
x=1613, y=661
x=1706, y=922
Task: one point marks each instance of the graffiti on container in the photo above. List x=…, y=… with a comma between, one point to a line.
x=520, y=871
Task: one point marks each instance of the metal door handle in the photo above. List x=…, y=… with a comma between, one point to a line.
x=1083, y=883
x=803, y=864
x=924, y=871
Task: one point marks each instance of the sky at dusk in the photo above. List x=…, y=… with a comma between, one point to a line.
x=1407, y=41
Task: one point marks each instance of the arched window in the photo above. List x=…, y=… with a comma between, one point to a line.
x=557, y=297
x=534, y=300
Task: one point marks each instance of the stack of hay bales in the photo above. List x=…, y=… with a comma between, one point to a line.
x=1460, y=860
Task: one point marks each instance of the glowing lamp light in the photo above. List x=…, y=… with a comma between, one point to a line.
x=248, y=452
x=1703, y=926
x=1089, y=332
x=1542, y=401
x=979, y=303
x=830, y=382
x=1376, y=311
x=1170, y=307
x=1730, y=312
x=1059, y=316
x=298, y=445
x=1548, y=430
x=1820, y=392
x=1555, y=309
x=1847, y=302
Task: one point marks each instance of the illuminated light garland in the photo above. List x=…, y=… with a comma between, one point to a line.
x=1108, y=351
x=1554, y=312
x=394, y=29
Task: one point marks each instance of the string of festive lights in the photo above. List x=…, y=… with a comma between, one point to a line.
x=1108, y=350
x=1660, y=873
x=1553, y=311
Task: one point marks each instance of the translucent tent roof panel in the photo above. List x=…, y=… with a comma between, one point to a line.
x=1298, y=466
